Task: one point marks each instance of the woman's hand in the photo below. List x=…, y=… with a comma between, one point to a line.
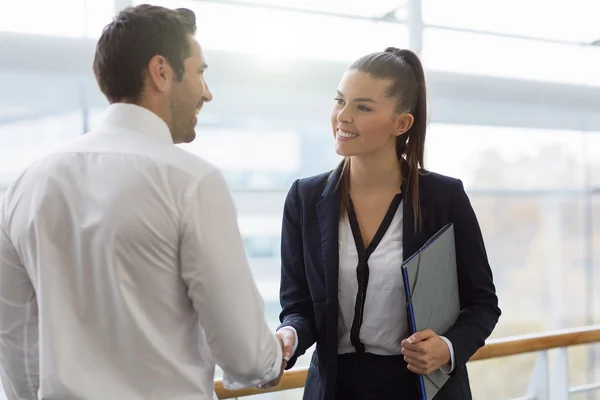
x=425, y=352
x=287, y=339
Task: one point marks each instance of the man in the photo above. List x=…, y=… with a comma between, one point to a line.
x=122, y=269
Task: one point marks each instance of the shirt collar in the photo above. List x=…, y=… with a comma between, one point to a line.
x=134, y=117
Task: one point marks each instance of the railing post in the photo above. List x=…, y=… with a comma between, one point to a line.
x=559, y=384
x=538, y=387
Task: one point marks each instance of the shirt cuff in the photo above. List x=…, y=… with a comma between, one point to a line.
x=274, y=372
x=448, y=368
x=295, y=338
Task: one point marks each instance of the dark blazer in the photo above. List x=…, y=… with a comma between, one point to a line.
x=309, y=273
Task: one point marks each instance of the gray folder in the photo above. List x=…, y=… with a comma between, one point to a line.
x=431, y=285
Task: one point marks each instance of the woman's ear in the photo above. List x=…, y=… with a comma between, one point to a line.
x=403, y=123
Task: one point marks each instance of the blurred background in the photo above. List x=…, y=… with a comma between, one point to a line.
x=514, y=99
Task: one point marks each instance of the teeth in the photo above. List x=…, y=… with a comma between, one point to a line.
x=197, y=111
x=346, y=134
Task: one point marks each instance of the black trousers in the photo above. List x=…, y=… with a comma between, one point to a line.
x=371, y=377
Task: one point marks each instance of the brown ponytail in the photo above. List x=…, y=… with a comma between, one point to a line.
x=405, y=70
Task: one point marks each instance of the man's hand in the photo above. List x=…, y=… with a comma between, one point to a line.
x=425, y=352
x=286, y=339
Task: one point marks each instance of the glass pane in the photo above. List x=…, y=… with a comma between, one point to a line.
x=32, y=121
x=361, y=8
x=584, y=366
x=595, y=250
x=73, y=18
x=273, y=162
x=501, y=379
x=284, y=34
x=593, y=157
x=534, y=244
x=576, y=21
x=472, y=53
x=271, y=151
x=24, y=141
x=98, y=14
x=486, y=157
x=593, y=351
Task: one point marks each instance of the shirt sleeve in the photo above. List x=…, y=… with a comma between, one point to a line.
x=448, y=368
x=19, y=362
x=221, y=287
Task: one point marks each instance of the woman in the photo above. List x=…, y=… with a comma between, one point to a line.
x=346, y=233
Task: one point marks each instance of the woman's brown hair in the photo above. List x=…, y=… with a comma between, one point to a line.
x=404, y=69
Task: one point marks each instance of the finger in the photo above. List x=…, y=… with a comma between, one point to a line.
x=416, y=370
x=421, y=336
x=411, y=353
x=418, y=347
x=421, y=370
x=271, y=384
x=284, y=352
x=415, y=362
x=288, y=346
x=287, y=352
x=266, y=386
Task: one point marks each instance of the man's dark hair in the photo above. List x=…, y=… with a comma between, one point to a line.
x=134, y=36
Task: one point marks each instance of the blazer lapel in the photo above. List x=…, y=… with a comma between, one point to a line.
x=328, y=211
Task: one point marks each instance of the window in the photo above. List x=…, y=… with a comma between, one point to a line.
x=271, y=151
x=288, y=34
x=37, y=114
x=274, y=155
x=528, y=190
x=23, y=141
x=595, y=247
x=474, y=53
x=592, y=150
x=360, y=8
x=507, y=158
x=73, y=18
x=575, y=21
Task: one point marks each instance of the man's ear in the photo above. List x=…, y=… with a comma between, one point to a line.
x=160, y=74
x=403, y=123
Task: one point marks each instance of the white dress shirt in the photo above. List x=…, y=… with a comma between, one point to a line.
x=385, y=319
x=123, y=274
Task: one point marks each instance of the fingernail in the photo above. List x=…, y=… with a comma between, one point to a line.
x=286, y=356
x=411, y=339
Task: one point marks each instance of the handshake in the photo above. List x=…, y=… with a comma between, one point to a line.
x=287, y=340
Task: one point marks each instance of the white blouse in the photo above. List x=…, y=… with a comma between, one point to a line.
x=384, y=324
